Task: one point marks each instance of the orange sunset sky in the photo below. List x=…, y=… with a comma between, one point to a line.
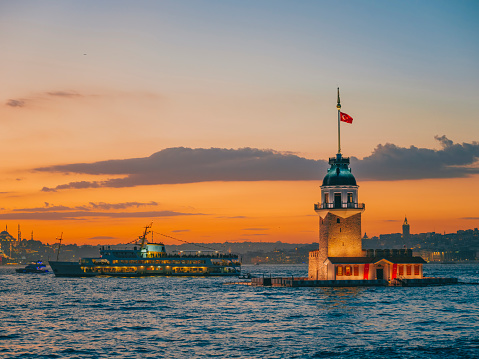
x=215, y=119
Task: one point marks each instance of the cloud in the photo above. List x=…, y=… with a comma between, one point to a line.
x=74, y=185
x=387, y=162
x=16, y=103
x=92, y=210
x=186, y=165
x=107, y=206
x=256, y=229
x=76, y=215
x=22, y=102
x=390, y=162
x=180, y=230
x=64, y=94
x=91, y=206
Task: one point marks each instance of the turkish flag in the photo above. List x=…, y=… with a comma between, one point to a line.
x=345, y=117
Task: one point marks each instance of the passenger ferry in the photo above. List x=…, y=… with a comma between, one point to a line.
x=149, y=259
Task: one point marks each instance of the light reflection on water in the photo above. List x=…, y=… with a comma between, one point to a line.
x=158, y=317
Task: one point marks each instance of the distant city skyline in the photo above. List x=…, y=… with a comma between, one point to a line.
x=215, y=120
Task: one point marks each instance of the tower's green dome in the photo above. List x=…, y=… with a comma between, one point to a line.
x=339, y=174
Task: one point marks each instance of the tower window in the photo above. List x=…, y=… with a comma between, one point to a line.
x=338, y=220
x=350, y=198
x=326, y=198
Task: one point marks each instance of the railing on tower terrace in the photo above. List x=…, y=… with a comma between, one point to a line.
x=334, y=160
x=318, y=206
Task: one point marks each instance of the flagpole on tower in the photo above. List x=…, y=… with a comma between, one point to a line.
x=338, y=106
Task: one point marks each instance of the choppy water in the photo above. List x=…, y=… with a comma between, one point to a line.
x=43, y=316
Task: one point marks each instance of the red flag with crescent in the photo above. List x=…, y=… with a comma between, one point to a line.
x=345, y=117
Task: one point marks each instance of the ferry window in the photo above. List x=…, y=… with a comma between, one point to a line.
x=339, y=271
x=356, y=271
x=347, y=270
x=416, y=270
x=408, y=270
x=401, y=270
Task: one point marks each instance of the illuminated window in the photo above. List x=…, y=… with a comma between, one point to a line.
x=401, y=270
x=347, y=270
x=408, y=270
x=326, y=198
x=356, y=271
x=416, y=270
x=339, y=271
x=350, y=198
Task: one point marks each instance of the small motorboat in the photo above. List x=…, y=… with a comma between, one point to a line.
x=34, y=267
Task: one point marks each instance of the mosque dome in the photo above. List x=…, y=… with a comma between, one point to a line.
x=339, y=174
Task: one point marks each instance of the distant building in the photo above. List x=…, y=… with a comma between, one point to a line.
x=406, y=231
x=7, y=241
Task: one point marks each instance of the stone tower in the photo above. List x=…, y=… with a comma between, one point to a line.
x=339, y=218
x=339, y=212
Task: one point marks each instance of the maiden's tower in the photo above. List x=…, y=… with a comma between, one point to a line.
x=340, y=255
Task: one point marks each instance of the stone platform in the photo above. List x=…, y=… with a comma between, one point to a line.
x=305, y=282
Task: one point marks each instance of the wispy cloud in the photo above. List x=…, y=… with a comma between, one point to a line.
x=24, y=101
x=124, y=205
x=16, y=102
x=91, y=206
x=72, y=215
x=91, y=210
x=64, y=94
x=185, y=165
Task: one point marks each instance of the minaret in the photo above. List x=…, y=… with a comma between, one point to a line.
x=405, y=231
x=339, y=215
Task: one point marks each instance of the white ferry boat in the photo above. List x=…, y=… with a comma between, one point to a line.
x=149, y=259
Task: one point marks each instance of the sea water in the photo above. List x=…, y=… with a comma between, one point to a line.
x=42, y=316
